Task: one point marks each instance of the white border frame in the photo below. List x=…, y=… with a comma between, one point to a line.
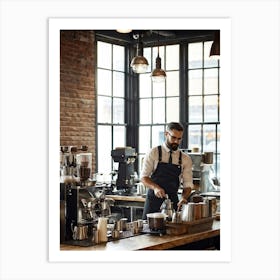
x=57, y=24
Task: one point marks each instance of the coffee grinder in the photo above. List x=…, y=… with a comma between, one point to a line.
x=125, y=175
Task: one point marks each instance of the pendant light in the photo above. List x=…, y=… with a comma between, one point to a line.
x=215, y=48
x=139, y=63
x=124, y=30
x=158, y=75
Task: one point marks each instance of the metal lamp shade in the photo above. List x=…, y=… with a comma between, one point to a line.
x=139, y=64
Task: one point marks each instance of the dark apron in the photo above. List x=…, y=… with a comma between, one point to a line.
x=166, y=176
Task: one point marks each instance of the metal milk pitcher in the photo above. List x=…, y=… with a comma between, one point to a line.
x=167, y=208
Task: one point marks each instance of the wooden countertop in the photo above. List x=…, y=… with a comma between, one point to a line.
x=149, y=242
x=136, y=198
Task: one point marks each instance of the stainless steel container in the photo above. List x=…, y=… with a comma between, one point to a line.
x=80, y=232
x=197, y=211
x=212, y=205
x=205, y=210
x=140, y=224
x=123, y=223
x=188, y=212
x=115, y=234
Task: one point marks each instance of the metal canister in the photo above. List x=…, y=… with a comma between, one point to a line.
x=187, y=214
x=115, y=234
x=140, y=224
x=123, y=223
x=118, y=225
x=204, y=210
x=212, y=206
x=197, y=211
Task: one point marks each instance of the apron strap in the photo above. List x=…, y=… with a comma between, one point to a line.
x=159, y=153
x=180, y=158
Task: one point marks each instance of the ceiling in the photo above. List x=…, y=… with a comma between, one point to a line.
x=155, y=37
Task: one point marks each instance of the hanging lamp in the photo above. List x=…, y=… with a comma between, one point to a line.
x=139, y=63
x=215, y=48
x=124, y=30
x=158, y=75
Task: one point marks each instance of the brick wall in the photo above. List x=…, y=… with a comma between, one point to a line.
x=77, y=90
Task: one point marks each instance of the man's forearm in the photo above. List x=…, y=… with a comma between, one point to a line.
x=186, y=192
x=149, y=183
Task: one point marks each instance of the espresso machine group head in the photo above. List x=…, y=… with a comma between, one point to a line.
x=125, y=157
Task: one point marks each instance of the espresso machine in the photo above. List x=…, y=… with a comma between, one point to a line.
x=80, y=215
x=125, y=175
x=81, y=203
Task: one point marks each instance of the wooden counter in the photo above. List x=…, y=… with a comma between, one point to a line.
x=149, y=242
x=133, y=198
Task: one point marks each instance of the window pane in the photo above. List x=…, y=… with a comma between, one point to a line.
x=211, y=108
x=195, y=137
x=209, y=138
x=172, y=83
x=195, y=55
x=104, y=149
x=118, y=57
x=144, y=139
x=147, y=54
x=144, y=85
x=140, y=162
x=157, y=135
x=118, y=110
x=104, y=109
x=195, y=109
x=104, y=55
x=172, y=109
x=104, y=88
x=195, y=82
x=158, y=89
x=118, y=84
x=209, y=61
x=218, y=166
x=211, y=81
x=159, y=110
x=172, y=57
x=145, y=111
x=119, y=136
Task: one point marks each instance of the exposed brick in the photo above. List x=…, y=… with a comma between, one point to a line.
x=77, y=90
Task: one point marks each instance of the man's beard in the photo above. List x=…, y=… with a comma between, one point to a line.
x=172, y=146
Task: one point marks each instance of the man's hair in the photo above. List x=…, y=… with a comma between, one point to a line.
x=176, y=126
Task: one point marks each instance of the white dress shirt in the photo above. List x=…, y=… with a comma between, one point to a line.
x=151, y=161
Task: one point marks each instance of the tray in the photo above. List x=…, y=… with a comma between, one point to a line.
x=189, y=227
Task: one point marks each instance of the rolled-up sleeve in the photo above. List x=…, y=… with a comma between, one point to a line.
x=149, y=163
x=187, y=176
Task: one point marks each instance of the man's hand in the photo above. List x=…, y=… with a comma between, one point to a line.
x=159, y=192
x=181, y=202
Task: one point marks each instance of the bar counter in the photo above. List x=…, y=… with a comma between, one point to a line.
x=149, y=241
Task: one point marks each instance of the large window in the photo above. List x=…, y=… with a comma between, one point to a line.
x=159, y=102
x=190, y=95
x=203, y=101
x=110, y=102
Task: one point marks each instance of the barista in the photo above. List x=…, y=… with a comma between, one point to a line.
x=164, y=168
